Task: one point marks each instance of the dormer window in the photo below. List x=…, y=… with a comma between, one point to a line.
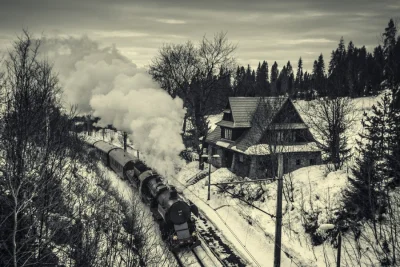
x=228, y=133
x=227, y=116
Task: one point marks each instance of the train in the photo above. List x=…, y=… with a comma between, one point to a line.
x=168, y=208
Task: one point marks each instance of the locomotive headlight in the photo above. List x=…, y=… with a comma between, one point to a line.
x=175, y=237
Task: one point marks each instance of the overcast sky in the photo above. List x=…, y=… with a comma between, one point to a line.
x=262, y=29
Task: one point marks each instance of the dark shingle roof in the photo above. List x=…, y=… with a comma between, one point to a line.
x=215, y=135
x=228, y=124
x=243, y=109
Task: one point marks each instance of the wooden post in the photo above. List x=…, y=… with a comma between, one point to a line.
x=339, y=248
x=137, y=152
x=278, y=224
x=209, y=178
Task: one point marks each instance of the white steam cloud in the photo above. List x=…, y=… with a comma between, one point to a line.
x=105, y=82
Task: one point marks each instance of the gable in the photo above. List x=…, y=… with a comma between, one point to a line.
x=288, y=114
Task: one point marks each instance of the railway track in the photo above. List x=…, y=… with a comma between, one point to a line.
x=198, y=256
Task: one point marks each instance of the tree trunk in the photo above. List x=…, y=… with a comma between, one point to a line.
x=14, y=234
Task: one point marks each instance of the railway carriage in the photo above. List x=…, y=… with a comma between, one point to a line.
x=103, y=148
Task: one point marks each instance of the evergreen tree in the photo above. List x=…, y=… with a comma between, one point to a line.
x=314, y=78
x=307, y=94
x=337, y=72
x=225, y=89
x=290, y=79
x=299, y=77
x=389, y=43
x=274, y=79
x=258, y=79
x=366, y=198
x=282, y=83
x=265, y=80
x=253, y=91
x=396, y=80
x=393, y=157
x=377, y=69
x=351, y=69
x=321, y=77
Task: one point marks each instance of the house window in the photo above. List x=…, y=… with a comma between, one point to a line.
x=241, y=158
x=312, y=162
x=298, y=162
x=228, y=134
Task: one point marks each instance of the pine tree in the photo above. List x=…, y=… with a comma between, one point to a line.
x=274, y=79
x=299, y=78
x=351, y=69
x=389, y=43
x=314, y=78
x=262, y=79
x=258, y=79
x=377, y=70
x=366, y=198
x=253, y=84
x=321, y=78
x=393, y=156
x=225, y=88
x=337, y=72
x=396, y=80
x=306, y=86
x=282, y=82
x=290, y=78
x=265, y=81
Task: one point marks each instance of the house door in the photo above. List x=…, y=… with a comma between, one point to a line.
x=228, y=158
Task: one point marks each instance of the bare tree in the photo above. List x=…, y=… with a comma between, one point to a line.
x=192, y=73
x=331, y=119
x=35, y=143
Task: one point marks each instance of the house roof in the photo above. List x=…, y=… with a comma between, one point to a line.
x=243, y=110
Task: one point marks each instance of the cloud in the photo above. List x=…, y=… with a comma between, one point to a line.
x=305, y=41
x=106, y=34
x=171, y=21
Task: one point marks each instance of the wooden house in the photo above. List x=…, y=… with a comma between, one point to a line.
x=254, y=130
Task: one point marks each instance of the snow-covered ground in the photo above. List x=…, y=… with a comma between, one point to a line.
x=311, y=197
x=311, y=190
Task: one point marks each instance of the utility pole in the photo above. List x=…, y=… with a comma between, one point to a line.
x=278, y=225
x=339, y=247
x=209, y=178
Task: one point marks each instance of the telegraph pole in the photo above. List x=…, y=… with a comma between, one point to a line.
x=278, y=225
x=339, y=249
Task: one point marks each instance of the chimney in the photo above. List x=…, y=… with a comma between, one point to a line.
x=125, y=136
x=173, y=194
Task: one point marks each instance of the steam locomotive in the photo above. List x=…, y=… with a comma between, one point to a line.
x=171, y=211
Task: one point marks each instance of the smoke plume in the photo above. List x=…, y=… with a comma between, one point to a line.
x=104, y=82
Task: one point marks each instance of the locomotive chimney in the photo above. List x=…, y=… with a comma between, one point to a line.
x=173, y=194
x=125, y=136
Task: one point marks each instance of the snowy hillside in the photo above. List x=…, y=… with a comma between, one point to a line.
x=312, y=197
